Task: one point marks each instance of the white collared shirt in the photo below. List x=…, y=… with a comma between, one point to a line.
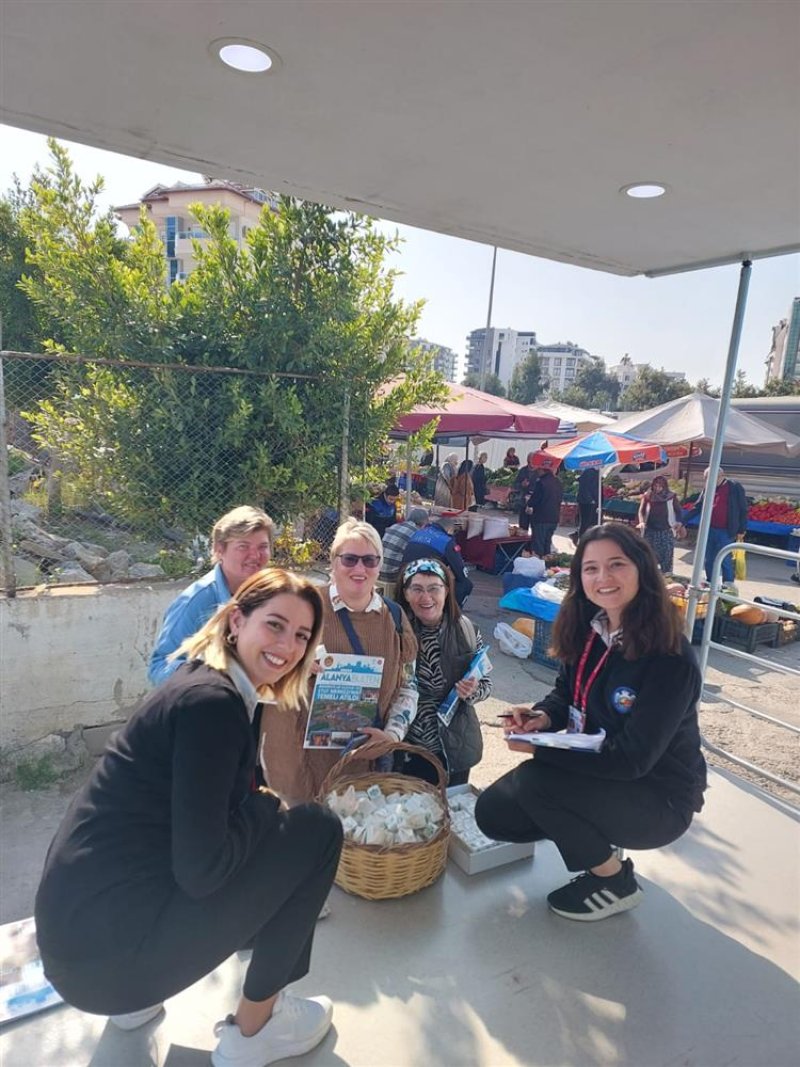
x=600, y=626
x=375, y=604
x=247, y=691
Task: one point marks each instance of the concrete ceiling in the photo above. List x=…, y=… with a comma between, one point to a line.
x=515, y=123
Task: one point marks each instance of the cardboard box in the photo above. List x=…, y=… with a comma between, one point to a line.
x=486, y=859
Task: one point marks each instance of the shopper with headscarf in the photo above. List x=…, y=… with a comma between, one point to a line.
x=442, y=494
x=660, y=520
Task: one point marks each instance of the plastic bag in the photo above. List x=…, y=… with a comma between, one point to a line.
x=739, y=564
x=530, y=566
x=548, y=591
x=512, y=642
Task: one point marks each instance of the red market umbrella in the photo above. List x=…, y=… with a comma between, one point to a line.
x=469, y=411
x=597, y=450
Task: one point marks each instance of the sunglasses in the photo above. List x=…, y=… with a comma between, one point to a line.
x=350, y=559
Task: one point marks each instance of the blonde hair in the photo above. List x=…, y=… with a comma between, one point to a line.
x=240, y=522
x=210, y=643
x=355, y=528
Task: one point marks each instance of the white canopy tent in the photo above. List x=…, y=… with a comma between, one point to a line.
x=522, y=125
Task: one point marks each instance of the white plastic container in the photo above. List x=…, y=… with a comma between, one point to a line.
x=476, y=862
x=495, y=526
x=475, y=525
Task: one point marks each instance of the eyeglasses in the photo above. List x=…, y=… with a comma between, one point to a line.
x=431, y=590
x=350, y=559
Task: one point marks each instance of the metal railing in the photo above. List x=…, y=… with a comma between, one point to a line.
x=707, y=643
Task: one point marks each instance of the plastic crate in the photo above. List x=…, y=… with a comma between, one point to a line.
x=568, y=514
x=741, y=633
x=542, y=639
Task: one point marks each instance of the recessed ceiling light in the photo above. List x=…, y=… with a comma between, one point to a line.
x=247, y=56
x=644, y=190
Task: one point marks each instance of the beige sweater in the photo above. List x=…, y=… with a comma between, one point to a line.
x=297, y=773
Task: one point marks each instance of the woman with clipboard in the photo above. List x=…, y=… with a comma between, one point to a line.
x=626, y=669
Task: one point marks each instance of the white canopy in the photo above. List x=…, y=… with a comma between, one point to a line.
x=580, y=418
x=696, y=418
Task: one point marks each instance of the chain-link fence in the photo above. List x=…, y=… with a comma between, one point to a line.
x=115, y=470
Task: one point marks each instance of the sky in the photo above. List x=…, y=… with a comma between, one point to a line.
x=681, y=322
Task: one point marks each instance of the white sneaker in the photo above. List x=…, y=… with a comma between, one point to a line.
x=296, y=1025
x=134, y=1019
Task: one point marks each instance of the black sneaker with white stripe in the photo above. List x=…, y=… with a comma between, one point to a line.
x=589, y=897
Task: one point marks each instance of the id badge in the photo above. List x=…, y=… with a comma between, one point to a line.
x=576, y=722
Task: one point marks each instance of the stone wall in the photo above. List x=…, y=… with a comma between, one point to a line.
x=75, y=656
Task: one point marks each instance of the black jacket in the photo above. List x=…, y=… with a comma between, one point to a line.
x=648, y=708
x=545, y=500
x=169, y=808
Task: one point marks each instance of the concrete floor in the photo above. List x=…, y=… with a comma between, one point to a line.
x=476, y=971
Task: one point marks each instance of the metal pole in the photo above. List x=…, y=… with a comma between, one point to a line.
x=5, y=489
x=486, y=347
x=716, y=450
x=344, y=473
x=408, y=475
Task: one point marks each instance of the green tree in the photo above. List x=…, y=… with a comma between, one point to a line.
x=704, y=386
x=650, y=388
x=309, y=295
x=593, y=387
x=526, y=380
x=781, y=387
x=491, y=383
x=20, y=332
x=743, y=388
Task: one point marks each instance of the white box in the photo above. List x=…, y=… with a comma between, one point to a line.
x=475, y=862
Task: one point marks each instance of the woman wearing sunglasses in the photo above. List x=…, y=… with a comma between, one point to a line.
x=447, y=642
x=355, y=621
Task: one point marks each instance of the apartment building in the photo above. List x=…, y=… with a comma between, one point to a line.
x=498, y=351
x=443, y=359
x=626, y=372
x=560, y=363
x=168, y=207
x=783, y=360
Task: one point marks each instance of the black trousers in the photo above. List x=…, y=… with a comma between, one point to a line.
x=588, y=517
x=585, y=817
x=418, y=767
x=272, y=903
x=542, y=538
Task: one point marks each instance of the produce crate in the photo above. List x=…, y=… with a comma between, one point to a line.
x=788, y=631
x=568, y=515
x=542, y=639
x=731, y=631
x=477, y=862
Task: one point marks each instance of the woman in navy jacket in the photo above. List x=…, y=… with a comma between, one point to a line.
x=626, y=669
x=172, y=856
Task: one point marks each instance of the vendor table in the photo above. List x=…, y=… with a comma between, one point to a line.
x=773, y=529
x=496, y=555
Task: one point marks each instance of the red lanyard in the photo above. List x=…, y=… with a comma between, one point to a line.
x=579, y=699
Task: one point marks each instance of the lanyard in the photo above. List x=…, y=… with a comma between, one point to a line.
x=580, y=699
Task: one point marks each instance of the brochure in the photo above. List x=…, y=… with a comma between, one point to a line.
x=479, y=667
x=345, y=699
x=578, y=742
x=23, y=986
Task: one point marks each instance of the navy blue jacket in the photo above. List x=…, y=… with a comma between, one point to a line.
x=435, y=543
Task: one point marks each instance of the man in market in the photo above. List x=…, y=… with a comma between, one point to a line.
x=728, y=520
x=544, y=507
x=381, y=512
x=436, y=541
x=395, y=540
x=587, y=500
x=523, y=484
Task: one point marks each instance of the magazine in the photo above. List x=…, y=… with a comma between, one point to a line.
x=575, y=741
x=479, y=667
x=345, y=699
x=23, y=986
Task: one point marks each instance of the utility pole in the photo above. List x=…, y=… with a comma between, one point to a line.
x=486, y=354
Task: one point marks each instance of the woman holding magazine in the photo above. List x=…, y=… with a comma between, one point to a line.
x=171, y=857
x=447, y=642
x=357, y=621
x=626, y=670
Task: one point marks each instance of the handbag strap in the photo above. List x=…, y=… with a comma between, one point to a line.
x=355, y=644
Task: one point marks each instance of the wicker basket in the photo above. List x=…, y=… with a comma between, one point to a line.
x=378, y=872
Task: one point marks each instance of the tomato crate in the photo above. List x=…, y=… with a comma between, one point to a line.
x=568, y=514
x=741, y=633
